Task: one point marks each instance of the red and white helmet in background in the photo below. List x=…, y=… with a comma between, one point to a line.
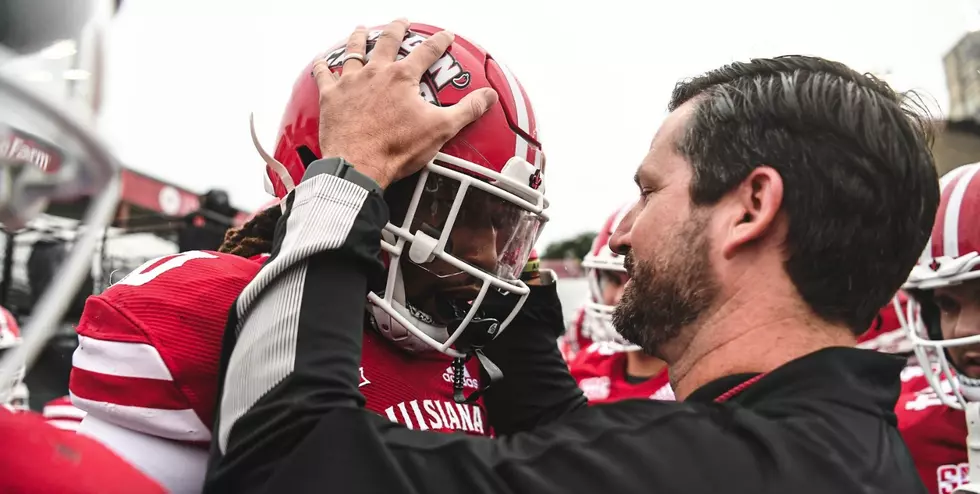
x=496, y=160
x=888, y=333
x=601, y=266
x=9, y=340
x=951, y=257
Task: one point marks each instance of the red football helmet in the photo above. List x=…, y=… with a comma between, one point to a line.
x=888, y=333
x=491, y=171
x=603, y=267
x=951, y=257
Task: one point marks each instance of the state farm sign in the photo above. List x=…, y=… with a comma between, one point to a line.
x=22, y=146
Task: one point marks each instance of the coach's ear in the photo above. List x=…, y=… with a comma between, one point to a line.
x=752, y=209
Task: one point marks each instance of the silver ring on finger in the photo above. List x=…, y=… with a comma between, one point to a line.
x=354, y=56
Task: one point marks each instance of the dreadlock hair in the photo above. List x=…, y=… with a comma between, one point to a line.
x=254, y=237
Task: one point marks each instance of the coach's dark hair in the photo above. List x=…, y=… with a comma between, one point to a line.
x=860, y=184
x=254, y=237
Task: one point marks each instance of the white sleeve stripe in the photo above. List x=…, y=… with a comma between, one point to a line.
x=178, y=425
x=68, y=425
x=323, y=212
x=120, y=359
x=62, y=412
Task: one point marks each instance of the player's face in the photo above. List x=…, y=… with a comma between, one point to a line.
x=612, y=284
x=672, y=281
x=489, y=233
x=959, y=316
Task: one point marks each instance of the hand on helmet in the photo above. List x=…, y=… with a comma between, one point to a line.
x=373, y=117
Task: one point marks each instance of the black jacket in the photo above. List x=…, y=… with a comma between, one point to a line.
x=291, y=418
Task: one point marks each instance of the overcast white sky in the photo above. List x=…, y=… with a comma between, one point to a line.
x=186, y=73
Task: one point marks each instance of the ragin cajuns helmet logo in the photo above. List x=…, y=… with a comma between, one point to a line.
x=444, y=72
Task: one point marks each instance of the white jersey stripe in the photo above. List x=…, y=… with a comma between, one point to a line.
x=178, y=425
x=62, y=412
x=120, y=359
x=67, y=425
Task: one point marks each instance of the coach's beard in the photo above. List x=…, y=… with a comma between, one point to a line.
x=669, y=292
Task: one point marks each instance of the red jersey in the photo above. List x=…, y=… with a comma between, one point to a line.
x=934, y=433
x=416, y=389
x=150, y=345
x=600, y=371
x=147, y=356
x=575, y=338
x=40, y=459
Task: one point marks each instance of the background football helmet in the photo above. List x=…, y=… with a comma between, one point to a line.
x=888, y=333
x=50, y=89
x=603, y=266
x=495, y=164
x=952, y=256
x=9, y=340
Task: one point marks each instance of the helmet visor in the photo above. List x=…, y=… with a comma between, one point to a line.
x=473, y=225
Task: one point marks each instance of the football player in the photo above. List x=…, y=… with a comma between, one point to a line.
x=458, y=237
x=464, y=224
x=609, y=368
x=49, y=153
x=145, y=369
x=943, y=316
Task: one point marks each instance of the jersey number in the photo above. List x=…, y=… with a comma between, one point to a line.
x=141, y=275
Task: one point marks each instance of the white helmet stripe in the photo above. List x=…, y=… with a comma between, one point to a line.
x=520, y=104
x=951, y=222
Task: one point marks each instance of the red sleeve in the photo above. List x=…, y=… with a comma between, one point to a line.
x=38, y=458
x=574, y=340
x=934, y=433
x=149, y=346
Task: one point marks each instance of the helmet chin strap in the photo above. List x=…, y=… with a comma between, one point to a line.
x=390, y=328
x=479, y=332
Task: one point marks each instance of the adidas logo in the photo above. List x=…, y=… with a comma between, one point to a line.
x=468, y=381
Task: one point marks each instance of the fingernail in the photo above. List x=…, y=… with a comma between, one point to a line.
x=360, y=28
x=403, y=19
x=450, y=33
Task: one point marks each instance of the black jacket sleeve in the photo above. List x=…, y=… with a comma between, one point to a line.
x=537, y=387
x=280, y=371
